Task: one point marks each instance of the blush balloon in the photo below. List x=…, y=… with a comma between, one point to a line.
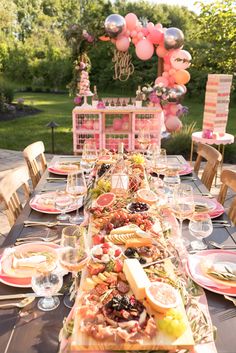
x=180, y=59
x=156, y=36
x=150, y=26
x=134, y=33
x=161, y=51
x=158, y=26
x=131, y=21
x=135, y=40
x=173, y=123
x=163, y=80
x=167, y=67
x=144, y=49
x=122, y=43
x=181, y=77
x=145, y=31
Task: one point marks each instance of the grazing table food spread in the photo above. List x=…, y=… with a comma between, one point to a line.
x=139, y=285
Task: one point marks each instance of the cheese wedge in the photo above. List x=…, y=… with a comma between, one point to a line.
x=131, y=228
x=138, y=242
x=136, y=276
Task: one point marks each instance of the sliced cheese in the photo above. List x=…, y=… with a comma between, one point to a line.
x=138, y=242
x=131, y=228
x=136, y=277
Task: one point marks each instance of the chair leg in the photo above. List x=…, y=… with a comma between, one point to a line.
x=191, y=154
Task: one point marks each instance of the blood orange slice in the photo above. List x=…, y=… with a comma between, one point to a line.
x=106, y=200
x=147, y=196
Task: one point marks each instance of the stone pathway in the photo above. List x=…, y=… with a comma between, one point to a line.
x=13, y=159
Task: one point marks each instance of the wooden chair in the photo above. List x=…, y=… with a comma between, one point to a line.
x=31, y=154
x=213, y=159
x=9, y=185
x=228, y=179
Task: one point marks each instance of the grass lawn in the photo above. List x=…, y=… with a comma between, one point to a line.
x=18, y=133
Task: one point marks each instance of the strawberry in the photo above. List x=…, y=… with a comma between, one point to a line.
x=106, y=246
x=105, y=250
x=98, y=239
x=117, y=252
x=118, y=266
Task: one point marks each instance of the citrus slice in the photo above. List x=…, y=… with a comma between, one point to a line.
x=162, y=296
x=147, y=196
x=105, y=160
x=106, y=200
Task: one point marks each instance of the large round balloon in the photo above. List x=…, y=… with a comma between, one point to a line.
x=173, y=123
x=181, y=77
x=114, y=25
x=180, y=59
x=131, y=21
x=144, y=49
x=173, y=38
x=122, y=43
x=176, y=93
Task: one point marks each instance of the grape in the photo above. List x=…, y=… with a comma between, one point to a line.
x=173, y=323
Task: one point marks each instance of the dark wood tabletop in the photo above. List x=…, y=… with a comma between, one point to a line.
x=34, y=331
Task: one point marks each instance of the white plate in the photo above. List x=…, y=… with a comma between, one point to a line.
x=35, y=205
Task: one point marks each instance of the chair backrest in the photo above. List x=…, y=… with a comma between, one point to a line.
x=9, y=185
x=228, y=179
x=213, y=159
x=31, y=153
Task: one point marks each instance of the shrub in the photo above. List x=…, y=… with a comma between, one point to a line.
x=6, y=91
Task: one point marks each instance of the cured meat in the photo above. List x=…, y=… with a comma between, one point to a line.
x=123, y=287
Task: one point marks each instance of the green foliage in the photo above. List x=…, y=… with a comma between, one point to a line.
x=6, y=91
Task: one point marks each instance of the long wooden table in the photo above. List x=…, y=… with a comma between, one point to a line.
x=38, y=331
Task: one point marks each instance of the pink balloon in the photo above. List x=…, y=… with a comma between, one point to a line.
x=165, y=74
x=113, y=40
x=158, y=26
x=135, y=40
x=173, y=123
x=171, y=80
x=144, y=49
x=167, y=67
x=131, y=21
x=180, y=59
x=117, y=124
x=156, y=36
x=173, y=108
x=122, y=43
x=134, y=33
x=161, y=51
x=172, y=71
x=162, y=80
x=150, y=26
x=140, y=35
x=145, y=31
x=127, y=32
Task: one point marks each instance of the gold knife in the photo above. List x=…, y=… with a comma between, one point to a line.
x=23, y=295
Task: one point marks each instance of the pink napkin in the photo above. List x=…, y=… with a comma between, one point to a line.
x=218, y=211
x=187, y=169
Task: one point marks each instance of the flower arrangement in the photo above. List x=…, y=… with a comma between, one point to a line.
x=159, y=94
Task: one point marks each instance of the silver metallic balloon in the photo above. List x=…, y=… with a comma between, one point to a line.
x=114, y=25
x=173, y=38
x=176, y=93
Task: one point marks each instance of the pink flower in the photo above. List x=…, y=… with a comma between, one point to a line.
x=77, y=100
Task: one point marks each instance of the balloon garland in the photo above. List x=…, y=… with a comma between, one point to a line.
x=167, y=43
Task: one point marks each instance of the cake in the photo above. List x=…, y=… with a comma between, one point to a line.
x=84, y=85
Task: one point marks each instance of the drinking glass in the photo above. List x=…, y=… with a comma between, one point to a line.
x=158, y=165
x=89, y=156
x=171, y=178
x=62, y=202
x=144, y=139
x=151, y=151
x=72, y=256
x=183, y=203
x=200, y=226
x=76, y=187
x=46, y=282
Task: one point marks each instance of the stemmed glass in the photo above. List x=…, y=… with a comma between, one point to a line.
x=76, y=187
x=151, y=151
x=158, y=165
x=200, y=226
x=47, y=282
x=72, y=255
x=144, y=139
x=183, y=203
x=62, y=202
x=89, y=156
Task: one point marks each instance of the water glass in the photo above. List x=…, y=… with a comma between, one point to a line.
x=200, y=226
x=63, y=203
x=47, y=282
x=77, y=188
x=89, y=156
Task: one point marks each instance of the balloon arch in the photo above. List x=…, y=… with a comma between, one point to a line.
x=150, y=38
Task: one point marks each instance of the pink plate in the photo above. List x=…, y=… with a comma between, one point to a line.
x=44, y=203
x=187, y=169
x=58, y=169
x=215, y=208
x=194, y=270
x=20, y=282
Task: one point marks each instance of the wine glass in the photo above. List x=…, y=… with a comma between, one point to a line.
x=89, y=156
x=144, y=139
x=158, y=165
x=200, y=226
x=183, y=202
x=76, y=187
x=47, y=282
x=62, y=202
x=72, y=256
x=171, y=177
x=151, y=151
